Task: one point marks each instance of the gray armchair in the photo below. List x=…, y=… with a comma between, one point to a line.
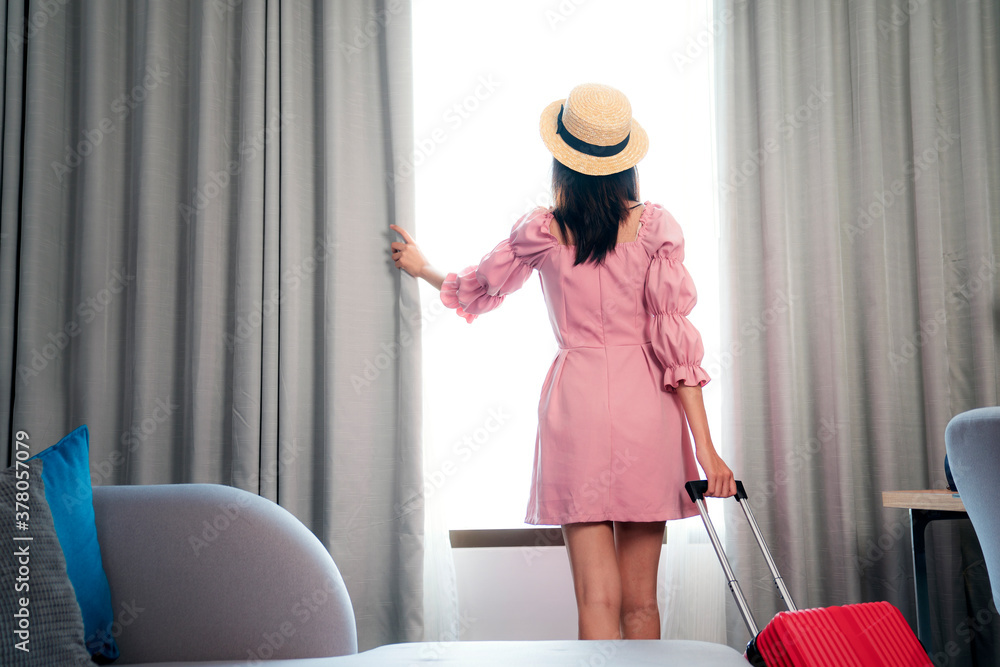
x=203, y=572
x=973, y=442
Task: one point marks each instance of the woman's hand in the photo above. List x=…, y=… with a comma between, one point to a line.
x=406, y=255
x=721, y=482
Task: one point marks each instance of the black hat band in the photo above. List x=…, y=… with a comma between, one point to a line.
x=583, y=146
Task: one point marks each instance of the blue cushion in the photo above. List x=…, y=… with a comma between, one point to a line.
x=66, y=475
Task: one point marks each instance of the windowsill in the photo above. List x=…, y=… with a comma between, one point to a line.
x=550, y=536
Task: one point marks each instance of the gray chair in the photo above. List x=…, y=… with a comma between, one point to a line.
x=203, y=572
x=973, y=442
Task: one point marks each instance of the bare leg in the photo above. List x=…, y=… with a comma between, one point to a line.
x=596, y=579
x=638, y=545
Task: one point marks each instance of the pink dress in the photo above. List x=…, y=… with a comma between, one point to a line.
x=612, y=440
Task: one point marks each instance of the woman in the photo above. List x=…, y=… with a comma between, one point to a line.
x=612, y=450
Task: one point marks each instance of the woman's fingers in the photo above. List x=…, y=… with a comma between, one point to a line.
x=405, y=234
x=406, y=254
x=725, y=480
x=721, y=483
x=711, y=465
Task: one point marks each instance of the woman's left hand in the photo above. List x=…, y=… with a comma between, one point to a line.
x=406, y=254
x=721, y=482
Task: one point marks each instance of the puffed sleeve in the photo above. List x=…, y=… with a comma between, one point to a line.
x=480, y=288
x=670, y=295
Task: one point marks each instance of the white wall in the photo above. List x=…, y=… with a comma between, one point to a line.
x=515, y=593
x=507, y=593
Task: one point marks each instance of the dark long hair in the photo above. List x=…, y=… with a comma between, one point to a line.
x=592, y=208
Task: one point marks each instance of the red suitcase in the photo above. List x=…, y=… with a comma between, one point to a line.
x=874, y=633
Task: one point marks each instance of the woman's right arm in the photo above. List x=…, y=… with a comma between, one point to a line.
x=480, y=288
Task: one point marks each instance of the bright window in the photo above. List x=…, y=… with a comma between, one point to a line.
x=483, y=72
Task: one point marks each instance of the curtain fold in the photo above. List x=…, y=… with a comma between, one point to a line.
x=859, y=176
x=194, y=262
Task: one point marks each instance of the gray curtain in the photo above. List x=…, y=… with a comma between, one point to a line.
x=196, y=200
x=859, y=178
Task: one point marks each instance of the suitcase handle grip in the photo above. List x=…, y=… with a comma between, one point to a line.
x=699, y=487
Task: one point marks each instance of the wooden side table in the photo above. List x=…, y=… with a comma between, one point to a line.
x=924, y=506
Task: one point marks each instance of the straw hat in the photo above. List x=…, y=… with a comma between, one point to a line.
x=592, y=131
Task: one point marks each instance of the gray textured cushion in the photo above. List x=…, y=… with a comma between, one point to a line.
x=973, y=442
x=210, y=572
x=54, y=622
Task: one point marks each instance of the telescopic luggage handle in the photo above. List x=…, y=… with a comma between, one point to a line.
x=696, y=490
